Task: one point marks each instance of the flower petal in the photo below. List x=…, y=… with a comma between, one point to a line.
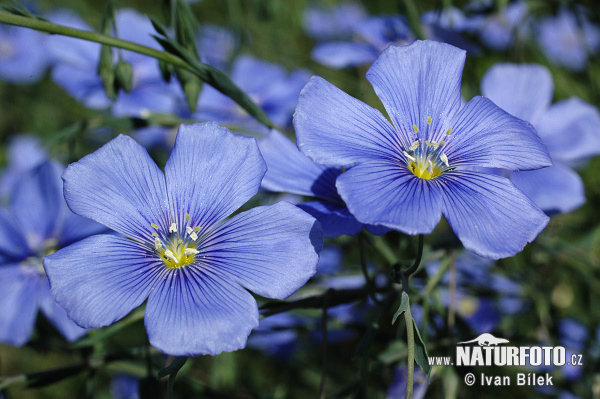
x=485, y=135
x=333, y=128
x=340, y=54
x=289, y=170
x=570, y=130
x=57, y=315
x=18, y=304
x=553, y=189
x=270, y=250
x=121, y=187
x=13, y=243
x=198, y=312
x=211, y=173
x=387, y=194
x=75, y=228
x=491, y=217
x=524, y=91
x=37, y=201
x=336, y=220
x=100, y=279
x=417, y=82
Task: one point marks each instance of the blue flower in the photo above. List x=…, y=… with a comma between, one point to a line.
x=406, y=175
x=499, y=30
x=24, y=154
x=193, y=266
x=23, y=55
x=36, y=223
x=289, y=170
x=370, y=37
x=77, y=64
x=569, y=128
x=269, y=85
x=567, y=38
x=333, y=23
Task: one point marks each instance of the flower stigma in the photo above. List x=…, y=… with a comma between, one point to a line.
x=425, y=157
x=176, y=249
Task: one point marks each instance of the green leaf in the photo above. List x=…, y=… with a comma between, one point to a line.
x=421, y=355
x=124, y=75
x=404, y=304
x=160, y=28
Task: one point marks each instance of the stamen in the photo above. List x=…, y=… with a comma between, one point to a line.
x=442, y=143
x=187, y=216
x=193, y=235
x=190, y=251
x=157, y=244
x=173, y=228
x=414, y=146
x=428, y=143
x=448, y=132
x=435, y=145
x=154, y=234
x=409, y=157
x=169, y=254
x=444, y=159
x=154, y=225
x=429, y=120
x=429, y=166
x=415, y=128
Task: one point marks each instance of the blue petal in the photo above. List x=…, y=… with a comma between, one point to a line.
x=344, y=54
x=75, y=228
x=384, y=193
x=57, y=315
x=416, y=82
x=485, y=135
x=198, y=311
x=524, y=91
x=18, y=304
x=570, y=130
x=383, y=30
x=270, y=250
x=489, y=215
x=377, y=230
x=121, y=187
x=291, y=171
x=326, y=23
x=100, y=279
x=38, y=204
x=13, y=242
x=254, y=75
x=335, y=129
x=24, y=153
x=211, y=173
x=553, y=189
x=336, y=220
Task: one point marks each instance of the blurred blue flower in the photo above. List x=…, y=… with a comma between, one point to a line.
x=215, y=45
x=276, y=335
x=289, y=170
x=370, y=36
x=407, y=174
x=269, y=85
x=569, y=128
x=335, y=22
x=36, y=223
x=499, y=30
x=567, y=38
x=77, y=64
x=24, y=154
x=123, y=386
x=448, y=25
x=23, y=54
x=192, y=266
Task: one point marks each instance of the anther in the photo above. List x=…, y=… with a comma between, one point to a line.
x=448, y=132
x=444, y=159
x=409, y=157
x=428, y=143
x=415, y=128
x=429, y=120
x=154, y=225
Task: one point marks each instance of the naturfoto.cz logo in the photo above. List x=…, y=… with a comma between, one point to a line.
x=487, y=350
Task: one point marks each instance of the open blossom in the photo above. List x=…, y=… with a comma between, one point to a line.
x=36, y=223
x=193, y=266
x=289, y=170
x=407, y=174
x=569, y=128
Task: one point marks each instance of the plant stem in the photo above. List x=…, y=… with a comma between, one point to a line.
x=410, y=339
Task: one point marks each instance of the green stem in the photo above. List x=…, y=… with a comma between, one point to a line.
x=410, y=339
x=207, y=74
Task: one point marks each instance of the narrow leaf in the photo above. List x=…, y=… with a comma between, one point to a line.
x=404, y=304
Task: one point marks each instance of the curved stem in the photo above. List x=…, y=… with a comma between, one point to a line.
x=206, y=73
